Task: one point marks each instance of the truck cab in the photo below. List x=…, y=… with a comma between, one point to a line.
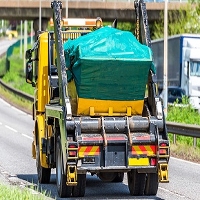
x=191, y=73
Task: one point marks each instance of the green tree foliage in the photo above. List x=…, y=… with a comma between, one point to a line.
x=186, y=20
x=125, y=26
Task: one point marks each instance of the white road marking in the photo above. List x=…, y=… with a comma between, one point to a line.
x=14, y=108
x=20, y=111
x=5, y=102
x=12, y=129
x=174, y=193
x=27, y=136
x=186, y=161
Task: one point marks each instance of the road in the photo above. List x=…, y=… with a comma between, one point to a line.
x=5, y=43
x=17, y=165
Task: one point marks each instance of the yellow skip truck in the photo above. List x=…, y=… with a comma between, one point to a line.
x=96, y=107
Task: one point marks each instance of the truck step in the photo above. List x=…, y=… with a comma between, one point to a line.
x=163, y=172
x=71, y=175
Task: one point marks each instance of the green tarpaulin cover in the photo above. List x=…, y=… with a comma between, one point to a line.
x=108, y=64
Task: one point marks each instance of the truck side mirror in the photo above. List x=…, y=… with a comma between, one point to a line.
x=28, y=54
x=29, y=72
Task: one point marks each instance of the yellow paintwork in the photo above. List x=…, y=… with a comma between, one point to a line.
x=42, y=131
x=42, y=94
x=11, y=33
x=147, y=150
x=94, y=107
x=71, y=88
x=42, y=82
x=138, y=161
x=71, y=176
x=41, y=134
x=88, y=151
x=163, y=172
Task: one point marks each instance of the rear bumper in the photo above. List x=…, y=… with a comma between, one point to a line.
x=82, y=169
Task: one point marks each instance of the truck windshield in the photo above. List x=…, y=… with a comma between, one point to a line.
x=194, y=68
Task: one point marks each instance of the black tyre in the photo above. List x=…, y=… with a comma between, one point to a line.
x=79, y=190
x=136, y=182
x=119, y=177
x=107, y=176
x=151, y=187
x=44, y=174
x=63, y=189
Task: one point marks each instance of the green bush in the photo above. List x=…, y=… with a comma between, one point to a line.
x=183, y=114
x=2, y=67
x=15, y=77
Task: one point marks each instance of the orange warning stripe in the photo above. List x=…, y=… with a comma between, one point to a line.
x=88, y=151
x=144, y=149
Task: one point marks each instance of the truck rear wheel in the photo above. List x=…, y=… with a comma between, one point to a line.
x=151, y=187
x=136, y=182
x=44, y=174
x=107, y=176
x=61, y=178
x=119, y=177
x=79, y=190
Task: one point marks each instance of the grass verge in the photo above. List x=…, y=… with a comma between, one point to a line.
x=185, y=152
x=184, y=148
x=15, y=101
x=9, y=192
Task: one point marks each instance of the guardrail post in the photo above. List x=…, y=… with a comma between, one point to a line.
x=174, y=138
x=195, y=142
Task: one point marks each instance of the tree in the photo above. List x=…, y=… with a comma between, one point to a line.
x=186, y=20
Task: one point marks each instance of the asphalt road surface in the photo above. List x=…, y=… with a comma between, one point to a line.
x=17, y=165
x=5, y=43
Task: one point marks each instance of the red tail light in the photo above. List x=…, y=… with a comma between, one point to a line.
x=72, y=153
x=153, y=161
x=163, y=151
